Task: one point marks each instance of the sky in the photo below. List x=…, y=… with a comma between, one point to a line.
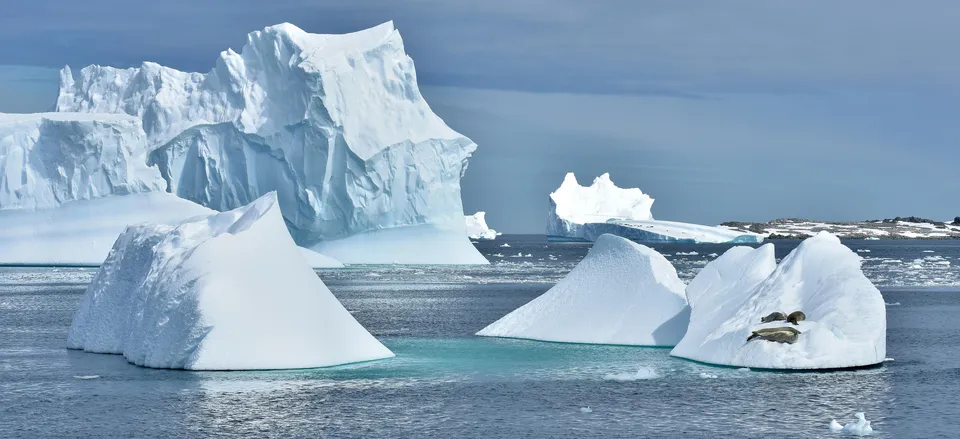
x=721, y=110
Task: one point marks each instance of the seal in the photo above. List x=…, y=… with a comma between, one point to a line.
x=783, y=334
x=774, y=316
x=796, y=317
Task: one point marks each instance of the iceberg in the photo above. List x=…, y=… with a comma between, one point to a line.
x=227, y=291
x=845, y=324
x=70, y=183
x=860, y=428
x=583, y=213
x=335, y=124
x=621, y=293
x=477, y=227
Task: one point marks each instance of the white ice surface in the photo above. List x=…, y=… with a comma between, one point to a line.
x=47, y=159
x=335, y=124
x=860, y=428
x=82, y=232
x=845, y=322
x=621, y=293
x=229, y=291
x=477, y=227
x=422, y=244
x=587, y=212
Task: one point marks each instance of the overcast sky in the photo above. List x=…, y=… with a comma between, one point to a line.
x=720, y=110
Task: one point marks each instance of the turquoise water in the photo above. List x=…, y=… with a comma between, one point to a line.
x=444, y=382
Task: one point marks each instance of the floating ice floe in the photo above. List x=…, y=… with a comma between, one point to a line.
x=620, y=293
x=644, y=373
x=845, y=323
x=860, y=428
x=228, y=291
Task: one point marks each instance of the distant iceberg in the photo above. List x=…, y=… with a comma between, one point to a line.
x=228, y=291
x=335, y=124
x=583, y=213
x=477, y=227
x=845, y=316
x=621, y=293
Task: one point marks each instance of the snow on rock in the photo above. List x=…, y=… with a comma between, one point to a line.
x=845, y=322
x=335, y=124
x=228, y=291
x=477, y=227
x=860, y=428
x=621, y=293
x=583, y=213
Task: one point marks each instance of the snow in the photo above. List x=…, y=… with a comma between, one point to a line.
x=845, y=322
x=860, y=428
x=228, y=291
x=583, y=213
x=477, y=227
x=335, y=124
x=621, y=293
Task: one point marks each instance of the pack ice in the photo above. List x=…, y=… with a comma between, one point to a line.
x=477, y=227
x=227, y=291
x=583, y=213
x=335, y=124
x=845, y=323
x=620, y=293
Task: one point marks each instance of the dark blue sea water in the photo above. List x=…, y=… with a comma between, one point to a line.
x=444, y=382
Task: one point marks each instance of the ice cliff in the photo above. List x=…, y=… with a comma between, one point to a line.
x=477, y=227
x=620, y=293
x=583, y=213
x=228, y=291
x=845, y=323
x=335, y=124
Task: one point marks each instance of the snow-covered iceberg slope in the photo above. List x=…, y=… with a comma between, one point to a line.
x=583, y=213
x=335, y=124
x=620, y=293
x=228, y=291
x=845, y=323
x=477, y=227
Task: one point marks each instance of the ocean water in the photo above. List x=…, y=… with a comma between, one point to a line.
x=444, y=382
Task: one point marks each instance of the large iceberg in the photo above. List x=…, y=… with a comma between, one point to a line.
x=477, y=227
x=70, y=183
x=583, y=213
x=335, y=124
x=845, y=323
x=228, y=291
x=621, y=293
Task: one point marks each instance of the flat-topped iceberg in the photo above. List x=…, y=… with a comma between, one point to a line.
x=228, y=291
x=845, y=317
x=477, y=227
x=335, y=124
x=621, y=293
x=583, y=213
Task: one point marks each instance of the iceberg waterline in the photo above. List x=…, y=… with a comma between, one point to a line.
x=226, y=291
x=584, y=213
x=477, y=227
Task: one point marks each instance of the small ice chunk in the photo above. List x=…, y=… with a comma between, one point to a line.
x=644, y=373
x=713, y=255
x=863, y=250
x=892, y=304
x=86, y=377
x=859, y=428
x=708, y=375
x=505, y=245
x=586, y=410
